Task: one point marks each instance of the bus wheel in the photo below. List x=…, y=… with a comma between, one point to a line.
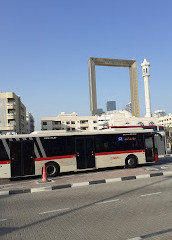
x=131, y=162
x=52, y=169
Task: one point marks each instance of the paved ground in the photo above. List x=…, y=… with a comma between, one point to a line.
x=131, y=210
x=164, y=166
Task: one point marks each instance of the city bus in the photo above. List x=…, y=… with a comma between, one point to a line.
x=25, y=155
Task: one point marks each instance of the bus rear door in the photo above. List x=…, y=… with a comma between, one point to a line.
x=22, y=158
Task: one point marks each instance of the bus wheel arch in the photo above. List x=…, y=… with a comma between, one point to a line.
x=52, y=169
x=131, y=161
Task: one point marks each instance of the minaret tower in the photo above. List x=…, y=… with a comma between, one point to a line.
x=145, y=68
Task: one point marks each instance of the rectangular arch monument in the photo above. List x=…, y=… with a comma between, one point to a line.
x=92, y=62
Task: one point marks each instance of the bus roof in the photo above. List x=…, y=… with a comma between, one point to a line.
x=57, y=133
x=136, y=126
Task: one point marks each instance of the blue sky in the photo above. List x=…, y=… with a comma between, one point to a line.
x=45, y=46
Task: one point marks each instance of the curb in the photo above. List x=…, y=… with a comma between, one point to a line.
x=82, y=184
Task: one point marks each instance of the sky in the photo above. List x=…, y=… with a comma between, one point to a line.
x=45, y=46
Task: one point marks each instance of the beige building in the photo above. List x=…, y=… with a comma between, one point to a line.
x=73, y=122
x=124, y=118
x=70, y=122
x=165, y=121
x=12, y=114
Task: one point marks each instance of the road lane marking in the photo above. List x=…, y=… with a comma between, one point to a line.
x=136, y=238
x=2, y=220
x=115, y=200
x=149, y=194
x=57, y=210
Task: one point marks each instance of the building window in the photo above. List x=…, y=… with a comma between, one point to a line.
x=84, y=128
x=83, y=121
x=44, y=123
x=72, y=122
x=151, y=123
x=12, y=122
x=67, y=122
x=68, y=129
x=94, y=121
x=95, y=128
x=140, y=123
x=11, y=100
x=57, y=122
x=11, y=111
x=73, y=129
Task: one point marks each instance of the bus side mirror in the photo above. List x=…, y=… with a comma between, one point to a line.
x=158, y=134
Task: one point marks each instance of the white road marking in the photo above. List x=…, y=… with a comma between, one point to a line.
x=167, y=173
x=57, y=210
x=149, y=194
x=4, y=193
x=109, y=180
x=2, y=220
x=143, y=176
x=115, y=200
x=136, y=238
x=41, y=189
x=80, y=184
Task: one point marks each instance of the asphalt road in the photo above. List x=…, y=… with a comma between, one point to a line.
x=136, y=209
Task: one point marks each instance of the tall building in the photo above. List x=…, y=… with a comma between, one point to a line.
x=111, y=105
x=128, y=107
x=30, y=122
x=99, y=111
x=12, y=114
x=70, y=122
x=145, y=68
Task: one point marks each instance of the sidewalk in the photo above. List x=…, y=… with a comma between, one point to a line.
x=162, y=168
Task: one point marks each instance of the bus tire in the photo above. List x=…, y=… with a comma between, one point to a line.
x=52, y=169
x=131, y=161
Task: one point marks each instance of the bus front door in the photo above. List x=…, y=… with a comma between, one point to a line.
x=149, y=149
x=85, y=155
x=22, y=158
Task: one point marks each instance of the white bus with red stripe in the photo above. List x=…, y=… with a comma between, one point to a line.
x=23, y=155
